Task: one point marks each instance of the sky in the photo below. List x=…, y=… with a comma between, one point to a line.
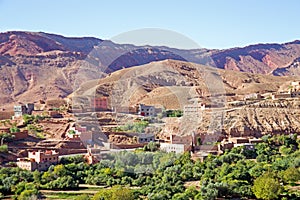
x=210, y=24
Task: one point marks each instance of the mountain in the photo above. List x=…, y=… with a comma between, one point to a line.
x=173, y=84
x=291, y=70
x=260, y=58
x=37, y=65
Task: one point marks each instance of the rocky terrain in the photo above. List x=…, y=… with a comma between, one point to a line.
x=173, y=84
x=265, y=117
x=291, y=70
x=260, y=58
x=44, y=66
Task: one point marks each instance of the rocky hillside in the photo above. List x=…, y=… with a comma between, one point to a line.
x=291, y=70
x=173, y=84
x=39, y=65
x=266, y=117
x=260, y=58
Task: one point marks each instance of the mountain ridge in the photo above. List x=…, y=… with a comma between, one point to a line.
x=42, y=65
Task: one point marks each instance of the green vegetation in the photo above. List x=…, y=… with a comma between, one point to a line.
x=151, y=146
x=270, y=171
x=267, y=186
x=31, y=119
x=14, y=129
x=115, y=193
x=3, y=148
x=136, y=127
x=174, y=113
x=35, y=130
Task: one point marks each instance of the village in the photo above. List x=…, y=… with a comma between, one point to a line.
x=37, y=135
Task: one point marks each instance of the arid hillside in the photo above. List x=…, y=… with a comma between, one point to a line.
x=173, y=84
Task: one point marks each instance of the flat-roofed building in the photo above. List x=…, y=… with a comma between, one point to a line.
x=38, y=160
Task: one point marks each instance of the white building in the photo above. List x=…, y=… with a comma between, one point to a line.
x=176, y=148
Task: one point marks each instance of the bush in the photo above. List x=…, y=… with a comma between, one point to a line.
x=115, y=193
x=4, y=148
x=267, y=187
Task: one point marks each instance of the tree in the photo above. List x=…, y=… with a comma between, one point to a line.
x=28, y=194
x=14, y=129
x=267, y=187
x=117, y=192
x=291, y=175
x=151, y=146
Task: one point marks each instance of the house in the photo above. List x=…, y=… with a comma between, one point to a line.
x=253, y=96
x=248, y=146
x=238, y=140
x=55, y=114
x=281, y=96
x=145, y=138
x=177, y=144
x=193, y=109
x=20, y=135
x=147, y=111
x=176, y=148
x=20, y=110
x=99, y=103
x=38, y=160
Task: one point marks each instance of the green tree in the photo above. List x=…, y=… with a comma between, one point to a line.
x=267, y=187
x=117, y=192
x=290, y=175
x=28, y=194
x=151, y=146
x=14, y=129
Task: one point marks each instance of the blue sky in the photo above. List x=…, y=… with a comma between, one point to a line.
x=210, y=23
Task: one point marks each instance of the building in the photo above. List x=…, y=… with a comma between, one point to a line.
x=145, y=138
x=20, y=110
x=193, y=109
x=55, y=114
x=99, y=103
x=253, y=96
x=38, y=160
x=177, y=144
x=20, y=135
x=147, y=111
x=176, y=148
x=281, y=96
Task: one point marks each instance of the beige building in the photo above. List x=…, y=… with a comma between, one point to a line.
x=38, y=160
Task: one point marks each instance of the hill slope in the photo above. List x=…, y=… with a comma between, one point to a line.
x=172, y=84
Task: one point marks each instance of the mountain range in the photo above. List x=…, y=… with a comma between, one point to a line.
x=37, y=65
